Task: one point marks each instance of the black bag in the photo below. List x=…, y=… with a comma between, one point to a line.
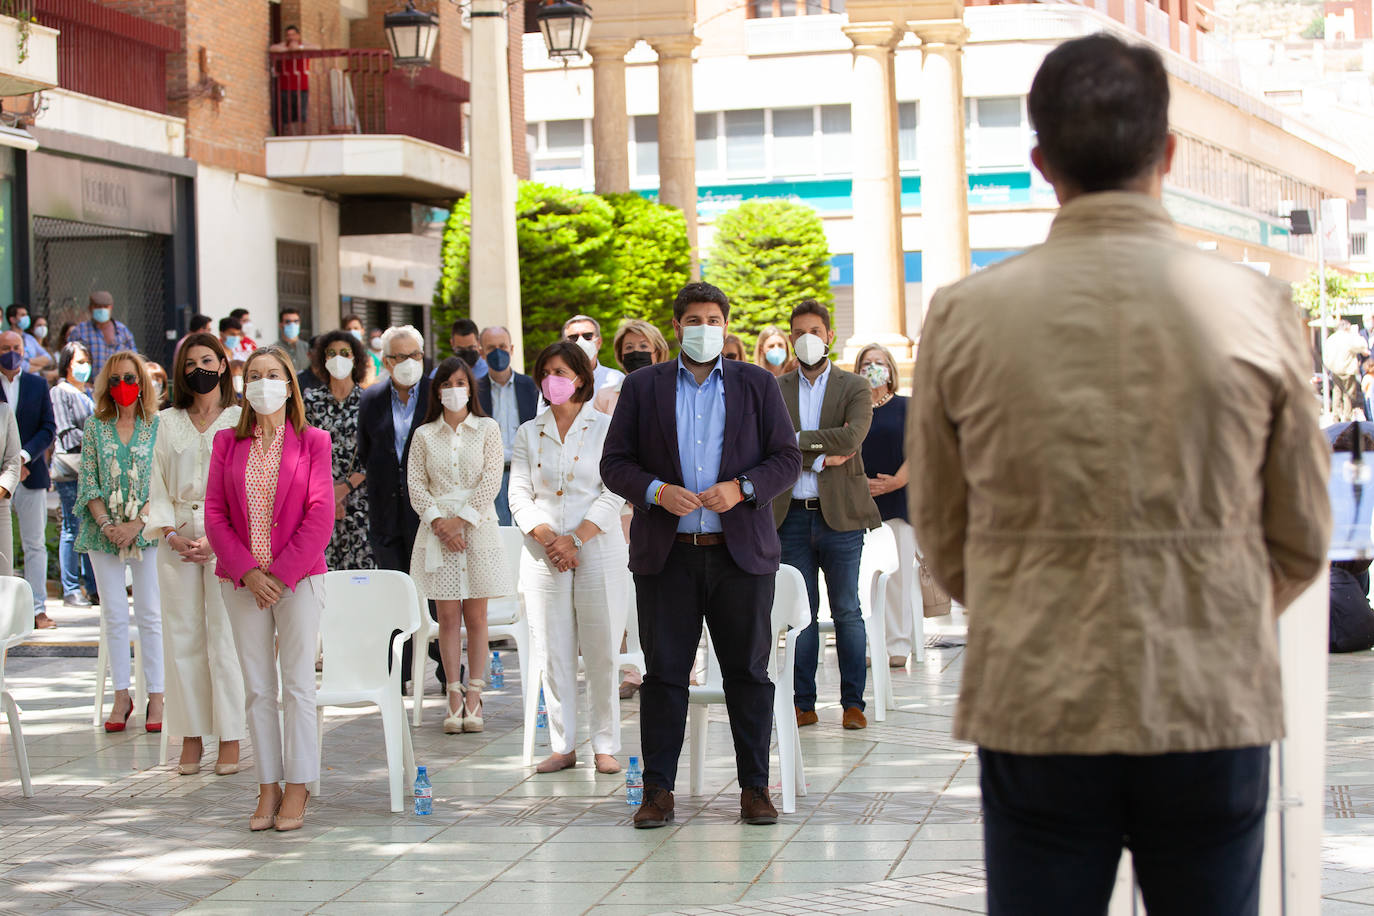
x=1352, y=620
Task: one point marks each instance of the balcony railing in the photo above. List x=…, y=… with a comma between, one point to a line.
x=357, y=91
x=109, y=54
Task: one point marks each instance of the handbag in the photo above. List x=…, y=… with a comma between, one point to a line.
x=65, y=466
x=935, y=599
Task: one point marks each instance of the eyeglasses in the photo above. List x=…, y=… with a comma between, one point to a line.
x=585, y=335
x=418, y=354
x=127, y=378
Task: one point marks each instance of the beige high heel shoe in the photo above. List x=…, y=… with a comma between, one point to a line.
x=453, y=723
x=259, y=823
x=285, y=824
x=472, y=719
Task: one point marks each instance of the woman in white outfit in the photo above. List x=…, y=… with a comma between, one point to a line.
x=10, y=463
x=204, y=683
x=572, y=570
x=455, y=470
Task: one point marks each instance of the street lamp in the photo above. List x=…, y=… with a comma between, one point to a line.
x=411, y=35
x=564, y=24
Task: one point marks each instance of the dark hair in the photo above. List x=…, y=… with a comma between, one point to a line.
x=577, y=361
x=12, y=308
x=230, y=324
x=810, y=307
x=343, y=322
x=291, y=28
x=281, y=316
x=463, y=327
x=238, y=313
x=322, y=342
x=1100, y=108
x=69, y=353
x=435, y=408
x=182, y=395
x=700, y=292
x=198, y=323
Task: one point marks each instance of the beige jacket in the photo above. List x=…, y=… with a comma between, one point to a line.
x=1116, y=466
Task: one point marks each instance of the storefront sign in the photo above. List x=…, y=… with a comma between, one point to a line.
x=104, y=195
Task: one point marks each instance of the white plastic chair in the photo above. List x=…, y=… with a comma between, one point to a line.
x=16, y=623
x=104, y=674
x=909, y=552
x=634, y=652
x=791, y=613
x=505, y=618
x=363, y=607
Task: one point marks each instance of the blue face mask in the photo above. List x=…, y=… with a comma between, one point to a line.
x=480, y=370
x=100, y=315
x=81, y=372
x=232, y=342
x=23, y=323
x=11, y=360
x=292, y=330
x=498, y=360
x=776, y=356
x=357, y=333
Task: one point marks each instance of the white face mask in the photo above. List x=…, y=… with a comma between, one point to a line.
x=267, y=395
x=238, y=384
x=375, y=343
x=340, y=367
x=810, y=349
x=249, y=330
x=408, y=372
x=703, y=342
x=454, y=399
x=589, y=348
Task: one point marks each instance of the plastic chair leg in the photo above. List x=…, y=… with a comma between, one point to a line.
x=140, y=691
x=21, y=753
x=408, y=751
x=162, y=757
x=697, y=724
x=531, y=713
x=393, y=720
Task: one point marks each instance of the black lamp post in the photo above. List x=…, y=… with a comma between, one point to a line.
x=564, y=24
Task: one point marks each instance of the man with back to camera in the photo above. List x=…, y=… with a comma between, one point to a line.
x=508, y=397
x=585, y=331
x=1116, y=467
x=700, y=446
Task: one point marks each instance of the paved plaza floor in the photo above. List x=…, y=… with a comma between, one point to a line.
x=891, y=822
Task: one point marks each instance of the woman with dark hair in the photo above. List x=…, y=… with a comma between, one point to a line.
x=71, y=407
x=204, y=685
x=455, y=470
x=339, y=359
x=269, y=509
x=573, y=567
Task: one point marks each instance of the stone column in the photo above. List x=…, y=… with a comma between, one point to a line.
x=610, y=123
x=945, y=252
x=677, y=132
x=879, y=290
x=495, y=276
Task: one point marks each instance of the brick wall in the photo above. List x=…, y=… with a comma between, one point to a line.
x=515, y=13
x=319, y=21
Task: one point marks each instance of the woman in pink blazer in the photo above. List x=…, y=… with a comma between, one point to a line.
x=269, y=512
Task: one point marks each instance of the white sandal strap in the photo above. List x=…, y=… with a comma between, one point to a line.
x=477, y=682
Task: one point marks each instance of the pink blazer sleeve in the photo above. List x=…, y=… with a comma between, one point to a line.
x=303, y=554
x=233, y=558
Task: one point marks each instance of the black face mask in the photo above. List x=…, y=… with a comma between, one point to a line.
x=202, y=381
x=470, y=355
x=636, y=359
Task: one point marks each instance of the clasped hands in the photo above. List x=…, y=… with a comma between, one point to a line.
x=452, y=533
x=681, y=501
x=123, y=535
x=191, y=550
x=560, y=549
x=267, y=589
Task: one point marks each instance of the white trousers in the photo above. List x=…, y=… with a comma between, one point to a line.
x=581, y=611
x=31, y=506
x=6, y=539
x=114, y=607
x=204, y=684
x=903, y=592
x=288, y=633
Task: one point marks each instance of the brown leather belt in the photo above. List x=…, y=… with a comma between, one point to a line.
x=702, y=540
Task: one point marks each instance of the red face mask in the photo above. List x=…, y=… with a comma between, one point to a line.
x=123, y=393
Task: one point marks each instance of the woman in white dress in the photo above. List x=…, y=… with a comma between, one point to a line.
x=204, y=681
x=572, y=570
x=455, y=470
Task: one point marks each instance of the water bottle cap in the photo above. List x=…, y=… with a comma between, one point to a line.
x=421, y=771
x=634, y=761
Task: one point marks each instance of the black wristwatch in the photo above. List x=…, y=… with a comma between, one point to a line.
x=746, y=489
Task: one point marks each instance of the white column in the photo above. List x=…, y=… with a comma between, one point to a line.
x=677, y=132
x=610, y=123
x=495, y=276
x=879, y=284
x=945, y=252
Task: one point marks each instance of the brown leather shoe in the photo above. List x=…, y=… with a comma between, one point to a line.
x=806, y=717
x=656, y=810
x=755, y=807
x=854, y=718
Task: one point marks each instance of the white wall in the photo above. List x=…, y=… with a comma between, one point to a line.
x=239, y=219
x=123, y=124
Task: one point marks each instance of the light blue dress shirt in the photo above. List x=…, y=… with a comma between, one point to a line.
x=402, y=416
x=700, y=438
x=32, y=348
x=810, y=397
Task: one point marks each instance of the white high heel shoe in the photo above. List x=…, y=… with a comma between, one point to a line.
x=453, y=724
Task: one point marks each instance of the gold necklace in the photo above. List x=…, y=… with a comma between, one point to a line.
x=581, y=440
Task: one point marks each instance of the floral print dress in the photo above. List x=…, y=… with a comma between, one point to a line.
x=117, y=473
x=349, y=547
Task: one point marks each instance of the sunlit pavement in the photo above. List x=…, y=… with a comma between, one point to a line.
x=891, y=823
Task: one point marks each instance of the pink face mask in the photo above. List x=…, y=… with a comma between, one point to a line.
x=557, y=389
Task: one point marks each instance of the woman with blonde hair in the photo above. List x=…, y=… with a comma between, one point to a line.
x=205, y=686
x=269, y=511
x=636, y=344
x=771, y=351
x=112, y=500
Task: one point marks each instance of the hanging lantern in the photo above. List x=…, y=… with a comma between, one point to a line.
x=565, y=24
x=412, y=36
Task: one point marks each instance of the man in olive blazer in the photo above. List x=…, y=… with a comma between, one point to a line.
x=822, y=519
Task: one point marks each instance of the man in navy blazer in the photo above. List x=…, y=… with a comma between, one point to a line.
x=700, y=446
x=508, y=397
x=27, y=395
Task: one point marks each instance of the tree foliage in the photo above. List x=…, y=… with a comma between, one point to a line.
x=1316, y=28
x=769, y=255
x=1339, y=294
x=653, y=260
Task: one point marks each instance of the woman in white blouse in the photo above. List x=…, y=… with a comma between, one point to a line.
x=10, y=463
x=455, y=470
x=204, y=682
x=572, y=571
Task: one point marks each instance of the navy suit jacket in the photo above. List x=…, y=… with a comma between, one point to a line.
x=759, y=443
x=526, y=396
x=37, y=427
x=390, y=515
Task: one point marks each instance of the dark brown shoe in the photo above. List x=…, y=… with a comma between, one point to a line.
x=755, y=807
x=656, y=810
x=807, y=717
x=854, y=718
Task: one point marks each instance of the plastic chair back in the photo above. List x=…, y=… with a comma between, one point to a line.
x=879, y=556
x=507, y=609
x=16, y=610
x=363, y=607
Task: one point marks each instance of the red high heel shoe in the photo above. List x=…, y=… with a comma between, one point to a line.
x=153, y=727
x=119, y=726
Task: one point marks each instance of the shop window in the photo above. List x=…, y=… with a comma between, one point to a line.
x=836, y=144
x=646, y=145
x=744, y=147
x=794, y=141
x=708, y=154
x=295, y=287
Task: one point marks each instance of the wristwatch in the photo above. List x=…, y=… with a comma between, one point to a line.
x=577, y=541
x=746, y=489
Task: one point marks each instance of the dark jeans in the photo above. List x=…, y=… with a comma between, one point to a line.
x=395, y=554
x=1054, y=828
x=73, y=567
x=704, y=583
x=503, y=499
x=809, y=544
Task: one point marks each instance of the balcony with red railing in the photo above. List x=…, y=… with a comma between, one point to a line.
x=108, y=54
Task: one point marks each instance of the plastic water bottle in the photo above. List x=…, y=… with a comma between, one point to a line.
x=541, y=717
x=634, y=783
x=424, y=793
x=498, y=672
